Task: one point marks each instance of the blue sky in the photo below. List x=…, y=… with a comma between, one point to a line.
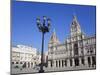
x=24, y=28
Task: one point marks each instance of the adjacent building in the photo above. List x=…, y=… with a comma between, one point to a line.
x=24, y=57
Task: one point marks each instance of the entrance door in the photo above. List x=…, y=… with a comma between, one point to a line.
x=76, y=62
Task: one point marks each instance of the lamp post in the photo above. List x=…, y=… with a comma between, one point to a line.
x=43, y=26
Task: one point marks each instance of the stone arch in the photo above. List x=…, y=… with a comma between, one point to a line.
x=77, y=61
x=24, y=65
x=89, y=61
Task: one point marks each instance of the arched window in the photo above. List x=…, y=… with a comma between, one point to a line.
x=75, y=49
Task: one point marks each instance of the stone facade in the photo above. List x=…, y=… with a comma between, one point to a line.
x=24, y=57
x=77, y=52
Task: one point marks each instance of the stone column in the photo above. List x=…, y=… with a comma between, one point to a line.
x=60, y=63
x=91, y=60
x=80, y=62
x=64, y=63
x=72, y=49
x=26, y=64
x=73, y=62
x=49, y=64
x=30, y=65
x=54, y=64
x=86, y=61
x=68, y=62
x=72, y=53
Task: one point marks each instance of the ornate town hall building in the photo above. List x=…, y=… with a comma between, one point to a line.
x=77, y=52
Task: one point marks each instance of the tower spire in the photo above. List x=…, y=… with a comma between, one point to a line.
x=54, y=38
x=75, y=21
x=75, y=18
x=75, y=26
x=74, y=15
x=54, y=31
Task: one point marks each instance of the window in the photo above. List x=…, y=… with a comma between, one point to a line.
x=20, y=62
x=75, y=49
x=51, y=48
x=91, y=49
x=70, y=62
x=93, y=60
x=82, y=60
x=80, y=43
x=59, y=63
x=56, y=63
x=24, y=65
x=87, y=42
x=51, y=63
x=89, y=61
x=16, y=62
x=12, y=62
x=35, y=63
x=65, y=62
x=51, y=52
x=62, y=63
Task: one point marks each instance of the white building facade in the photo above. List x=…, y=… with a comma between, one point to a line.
x=77, y=52
x=24, y=57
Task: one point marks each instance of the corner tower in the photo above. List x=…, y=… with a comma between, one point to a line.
x=53, y=42
x=75, y=27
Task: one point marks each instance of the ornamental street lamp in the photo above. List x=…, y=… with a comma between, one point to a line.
x=43, y=26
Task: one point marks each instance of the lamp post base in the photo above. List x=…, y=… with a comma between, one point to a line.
x=41, y=71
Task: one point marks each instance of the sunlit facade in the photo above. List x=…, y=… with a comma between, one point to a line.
x=24, y=57
x=77, y=52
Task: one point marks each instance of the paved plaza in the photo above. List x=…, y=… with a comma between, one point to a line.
x=36, y=70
